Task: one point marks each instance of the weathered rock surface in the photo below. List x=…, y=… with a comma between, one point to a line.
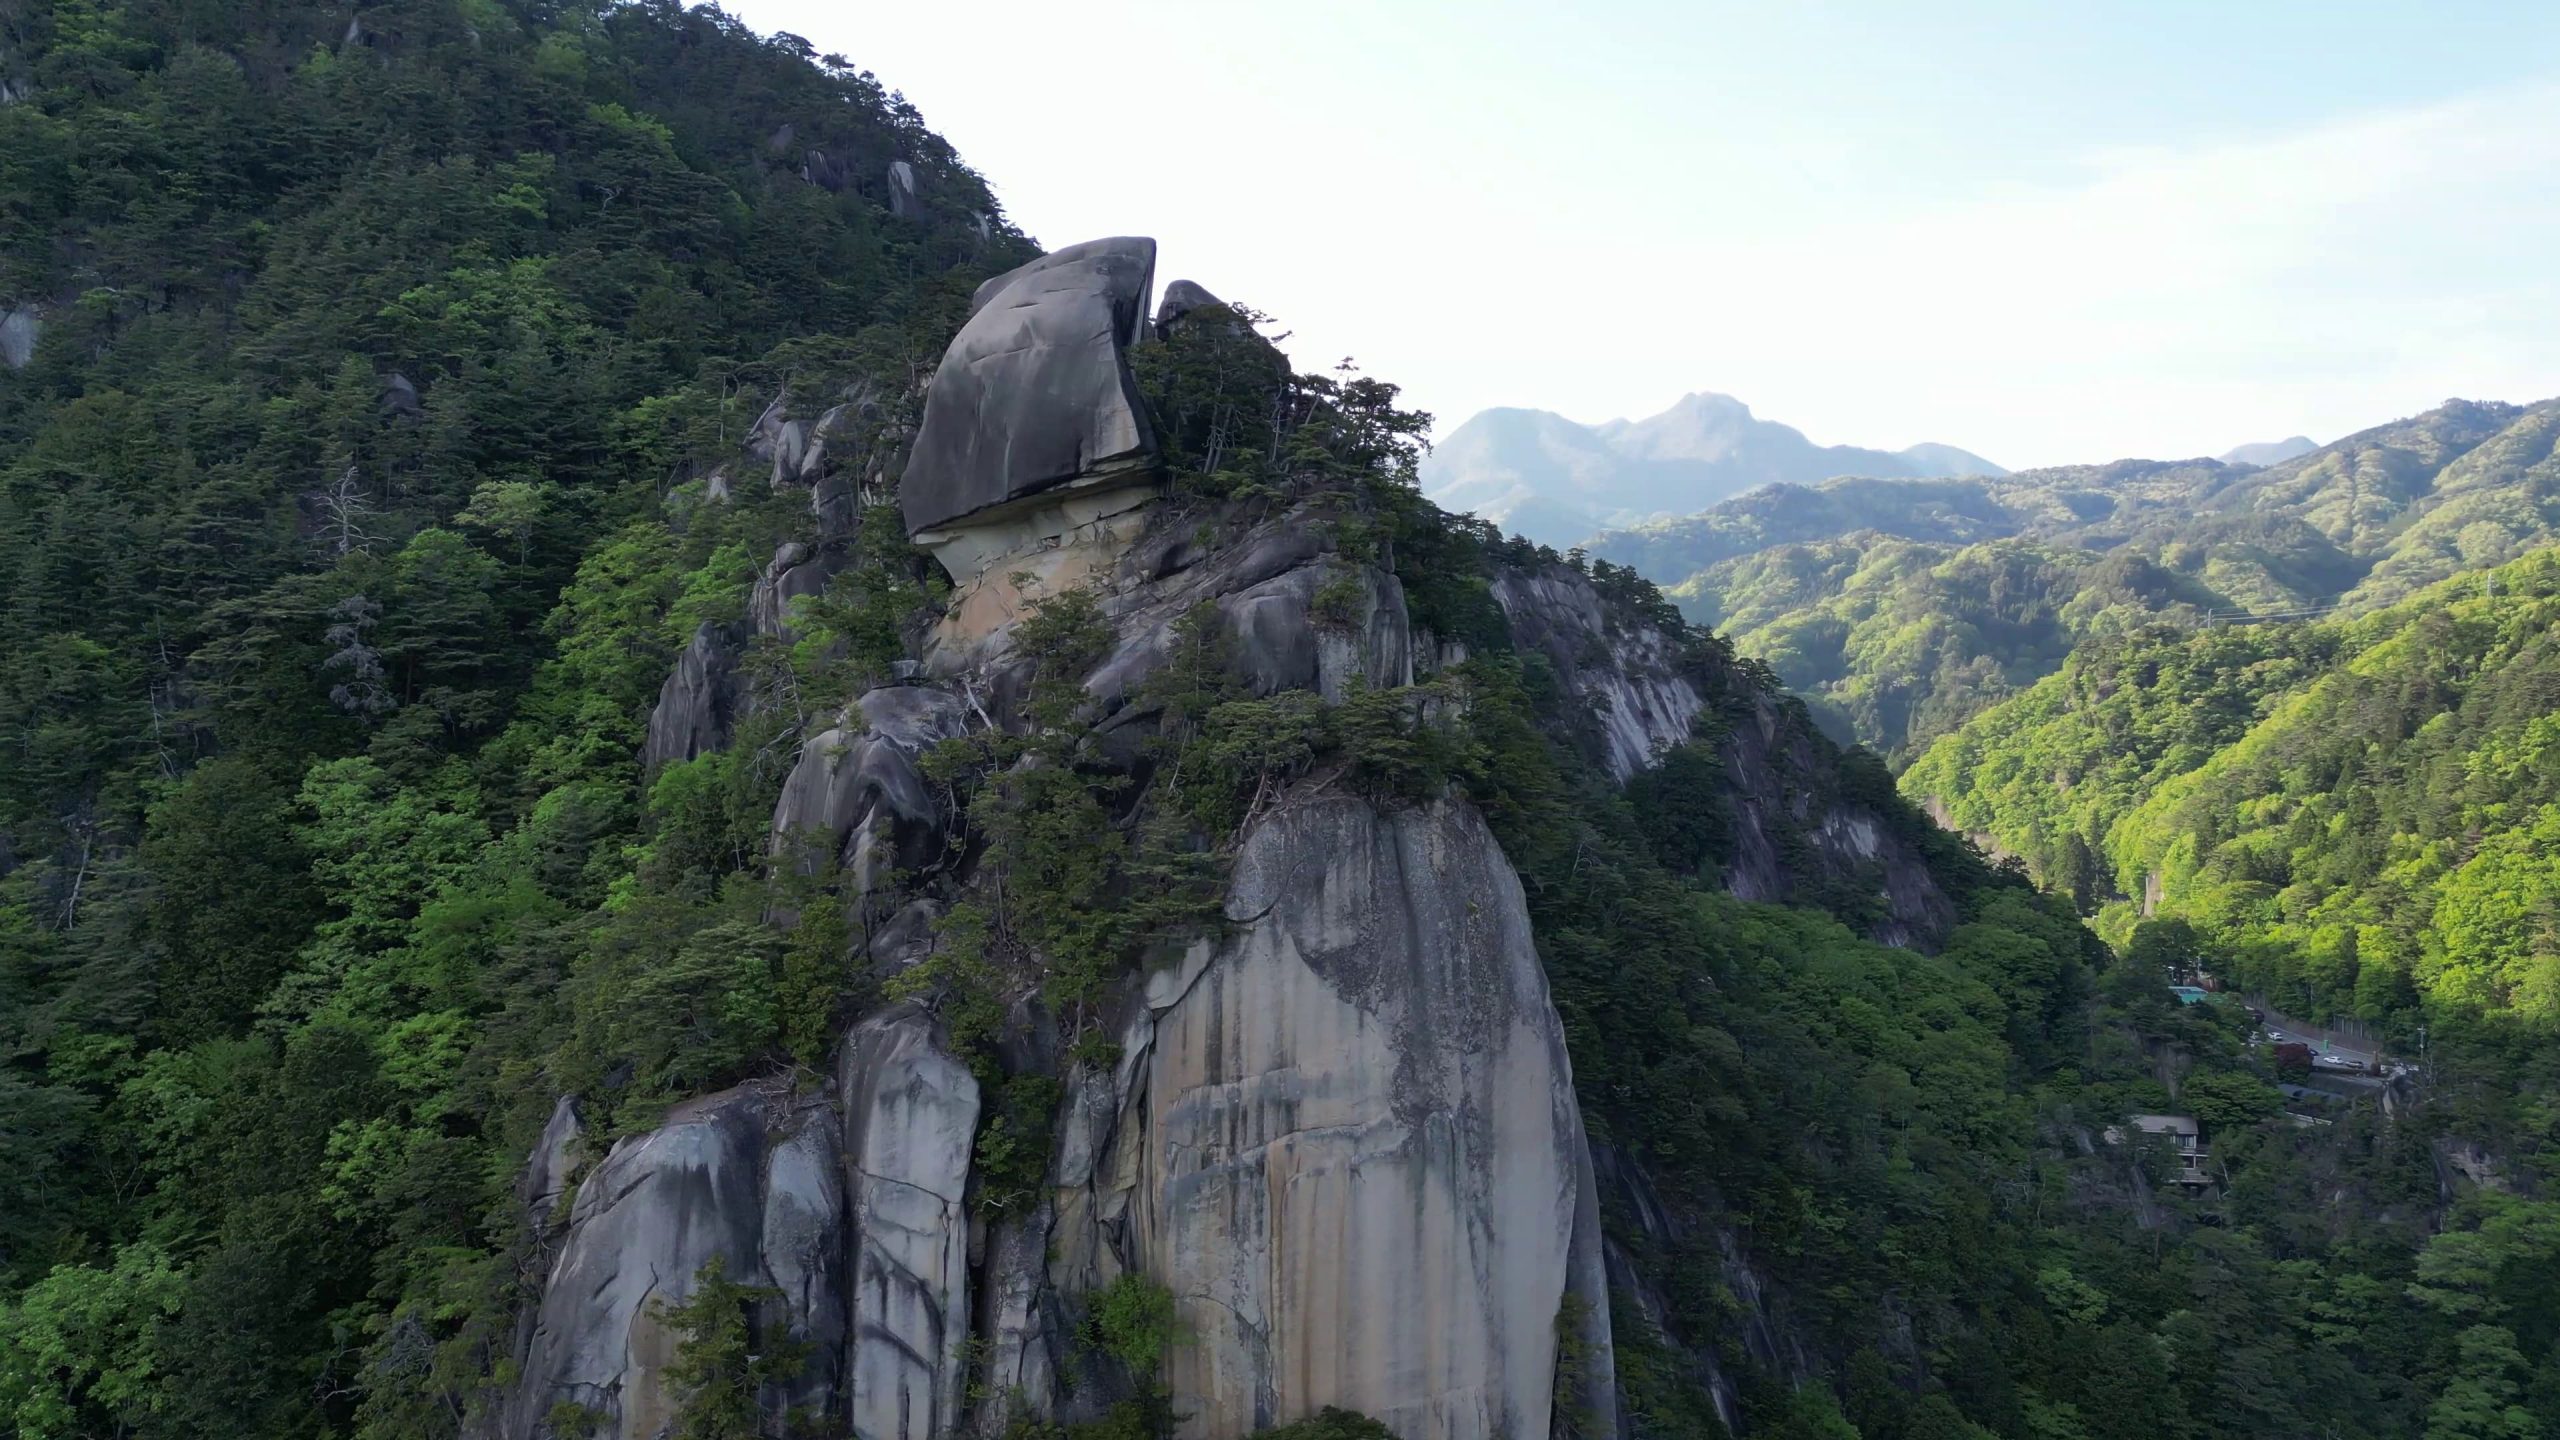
x=911, y=1119
x=698, y=705
x=795, y=570
x=20, y=328
x=1034, y=394
x=1266, y=588
x=857, y=788
x=556, y=1157
x=1780, y=785
x=904, y=202
x=1351, y=1147
x=400, y=398
x=1180, y=299
x=848, y=1202
x=747, y=1177
x=1625, y=676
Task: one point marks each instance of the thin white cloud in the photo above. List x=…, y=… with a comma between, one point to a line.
x=2175, y=303
x=1534, y=236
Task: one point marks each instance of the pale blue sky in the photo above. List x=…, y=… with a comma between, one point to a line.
x=2046, y=232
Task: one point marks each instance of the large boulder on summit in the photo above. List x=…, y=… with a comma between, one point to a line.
x=1180, y=299
x=1034, y=395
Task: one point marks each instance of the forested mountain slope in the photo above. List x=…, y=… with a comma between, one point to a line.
x=335, y=579
x=1902, y=608
x=2357, y=814
x=565, y=872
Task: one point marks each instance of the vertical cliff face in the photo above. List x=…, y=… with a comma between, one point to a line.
x=1358, y=1161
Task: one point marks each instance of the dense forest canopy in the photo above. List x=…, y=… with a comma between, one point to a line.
x=335, y=535
x=377, y=456
x=2354, y=814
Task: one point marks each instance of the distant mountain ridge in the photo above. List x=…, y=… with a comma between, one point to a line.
x=1558, y=481
x=1899, y=608
x=2270, y=452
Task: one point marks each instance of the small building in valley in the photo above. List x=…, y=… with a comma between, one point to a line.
x=2185, y=1138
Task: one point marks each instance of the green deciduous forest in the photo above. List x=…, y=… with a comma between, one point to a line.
x=1904, y=608
x=2355, y=815
x=378, y=458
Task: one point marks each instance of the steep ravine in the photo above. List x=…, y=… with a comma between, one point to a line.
x=1341, y=1130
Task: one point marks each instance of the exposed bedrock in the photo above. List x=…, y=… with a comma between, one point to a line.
x=1625, y=677
x=847, y=1202
x=749, y=1177
x=1347, y=1141
x=1180, y=299
x=20, y=327
x=698, y=704
x=857, y=798
x=911, y=1118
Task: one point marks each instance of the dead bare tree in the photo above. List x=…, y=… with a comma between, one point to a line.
x=346, y=508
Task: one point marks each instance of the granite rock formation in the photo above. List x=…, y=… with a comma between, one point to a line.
x=1341, y=1130
x=904, y=202
x=1180, y=299
x=1359, y=1164
x=20, y=327
x=1034, y=402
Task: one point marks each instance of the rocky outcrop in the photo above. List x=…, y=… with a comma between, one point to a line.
x=556, y=1159
x=1624, y=676
x=796, y=570
x=1794, y=831
x=20, y=327
x=1033, y=398
x=697, y=706
x=1180, y=299
x=904, y=202
x=400, y=399
x=847, y=1203
x=749, y=1177
x=1347, y=1141
x=857, y=798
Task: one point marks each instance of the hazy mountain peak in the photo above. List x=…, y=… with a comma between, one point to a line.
x=1558, y=481
x=2270, y=452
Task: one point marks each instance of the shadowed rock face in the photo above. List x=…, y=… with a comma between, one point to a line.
x=750, y=1179
x=1180, y=299
x=698, y=703
x=904, y=202
x=1626, y=678
x=848, y=1204
x=1034, y=394
x=857, y=788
